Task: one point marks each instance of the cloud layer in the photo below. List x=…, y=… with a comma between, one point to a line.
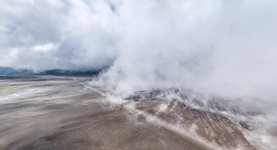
x=220, y=46
x=56, y=34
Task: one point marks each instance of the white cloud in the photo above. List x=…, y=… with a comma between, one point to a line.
x=44, y=48
x=213, y=45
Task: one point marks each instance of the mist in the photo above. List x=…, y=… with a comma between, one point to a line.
x=214, y=46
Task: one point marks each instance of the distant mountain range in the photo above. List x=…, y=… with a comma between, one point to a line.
x=7, y=71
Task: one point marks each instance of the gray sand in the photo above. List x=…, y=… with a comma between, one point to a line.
x=60, y=113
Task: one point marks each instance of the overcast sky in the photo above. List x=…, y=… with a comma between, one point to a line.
x=57, y=34
x=214, y=45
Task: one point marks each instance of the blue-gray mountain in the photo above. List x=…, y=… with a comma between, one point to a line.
x=7, y=71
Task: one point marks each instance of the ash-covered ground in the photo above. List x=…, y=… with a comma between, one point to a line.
x=67, y=113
